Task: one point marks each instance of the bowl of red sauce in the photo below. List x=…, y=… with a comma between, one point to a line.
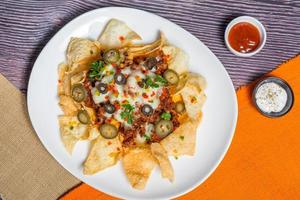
x=245, y=36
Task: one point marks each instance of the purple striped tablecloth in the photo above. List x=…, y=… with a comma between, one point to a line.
x=26, y=26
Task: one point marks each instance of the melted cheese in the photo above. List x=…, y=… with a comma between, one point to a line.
x=131, y=92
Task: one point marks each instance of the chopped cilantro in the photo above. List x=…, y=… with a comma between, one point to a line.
x=176, y=157
x=71, y=127
x=96, y=70
x=147, y=138
x=151, y=83
x=156, y=81
x=166, y=116
x=128, y=107
x=123, y=114
x=181, y=137
x=127, y=113
x=160, y=79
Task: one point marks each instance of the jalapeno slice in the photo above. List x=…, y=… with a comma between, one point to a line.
x=171, y=76
x=179, y=107
x=78, y=92
x=83, y=116
x=108, y=131
x=111, y=56
x=163, y=128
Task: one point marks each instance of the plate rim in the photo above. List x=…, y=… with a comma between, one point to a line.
x=235, y=103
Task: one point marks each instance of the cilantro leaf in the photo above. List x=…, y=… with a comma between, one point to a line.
x=166, y=116
x=127, y=113
x=128, y=107
x=160, y=79
x=147, y=137
x=96, y=70
x=129, y=119
x=151, y=83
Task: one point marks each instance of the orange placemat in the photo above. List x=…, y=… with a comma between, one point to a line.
x=263, y=161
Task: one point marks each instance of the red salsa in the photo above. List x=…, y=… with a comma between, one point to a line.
x=244, y=37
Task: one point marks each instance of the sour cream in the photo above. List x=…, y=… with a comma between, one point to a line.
x=271, y=97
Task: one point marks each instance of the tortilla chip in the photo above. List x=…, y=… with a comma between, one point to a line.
x=104, y=153
x=182, y=141
x=178, y=59
x=67, y=84
x=81, y=52
x=197, y=80
x=117, y=34
x=71, y=131
x=93, y=133
x=68, y=106
x=138, y=164
x=91, y=113
x=143, y=50
x=182, y=81
x=62, y=68
x=162, y=157
x=69, y=142
x=78, y=78
x=193, y=101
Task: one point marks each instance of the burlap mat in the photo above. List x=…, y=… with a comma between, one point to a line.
x=27, y=170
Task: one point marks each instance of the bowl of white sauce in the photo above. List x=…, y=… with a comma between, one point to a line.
x=273, y=97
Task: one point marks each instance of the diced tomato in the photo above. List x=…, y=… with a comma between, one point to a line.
x=118, y=70
x=121, y=38
x=145, y=95
x=109, y=143
x=117, y=106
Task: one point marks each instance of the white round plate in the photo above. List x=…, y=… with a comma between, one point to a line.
x=214, y=133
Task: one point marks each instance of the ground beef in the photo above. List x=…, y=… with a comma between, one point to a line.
x=100, y=115
x=166, y=102
x=129, y=136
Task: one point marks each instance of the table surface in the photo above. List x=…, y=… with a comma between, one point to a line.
x=26, y=26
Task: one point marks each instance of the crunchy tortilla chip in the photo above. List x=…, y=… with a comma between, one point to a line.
x=143, y=50
x=162, y=157
x=197, y=80
x=67, y=104
x=91, y=113
x=182, y=81
x=67, y=84
x=138, y=164
x=69, y=142
x=193, y=101
x=178, y=59
x=81, y=52
x=117, y=34
x=78, y=77
x=62, y=68
x=104, y=153
x=93, y=133
x=182, y=141
x=71, y=131
x=191, y=78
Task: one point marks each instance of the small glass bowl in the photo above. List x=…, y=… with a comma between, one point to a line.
x=285, y=86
